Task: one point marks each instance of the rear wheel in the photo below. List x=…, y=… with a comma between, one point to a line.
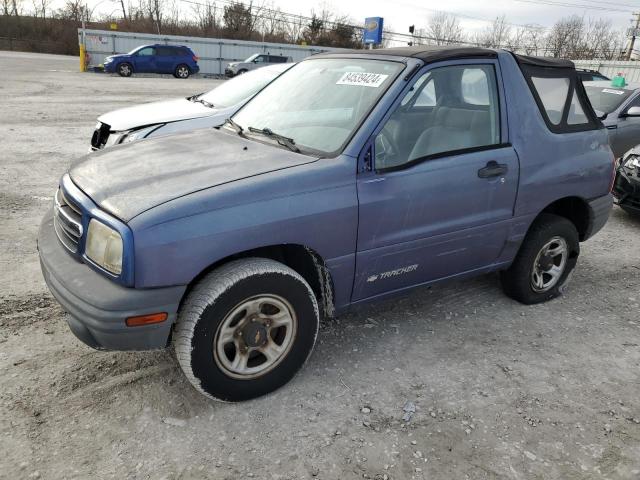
x=246, y=329
x=182, y=71
x=543, y=265
x=125, y=69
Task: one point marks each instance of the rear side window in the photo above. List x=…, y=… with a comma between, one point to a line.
x=165, y=51
x=561, y=98
x=553, y=95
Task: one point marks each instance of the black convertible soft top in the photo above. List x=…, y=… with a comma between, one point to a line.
x=434, y=53
x=428, y=53
x=544, y=62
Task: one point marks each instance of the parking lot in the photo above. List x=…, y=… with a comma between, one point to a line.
x=500, y=390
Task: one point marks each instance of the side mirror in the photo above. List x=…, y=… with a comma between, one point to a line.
x=633, y=112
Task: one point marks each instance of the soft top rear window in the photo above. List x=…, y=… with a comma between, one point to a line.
x=561, y=98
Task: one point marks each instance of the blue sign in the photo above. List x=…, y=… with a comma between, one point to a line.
x=373, y=30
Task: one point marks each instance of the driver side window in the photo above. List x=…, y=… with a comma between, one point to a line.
x=448, y=109
x=146, y=52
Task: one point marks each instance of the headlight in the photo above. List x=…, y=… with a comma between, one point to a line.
x=134, y=135
x=104, y=247
x=632, y=161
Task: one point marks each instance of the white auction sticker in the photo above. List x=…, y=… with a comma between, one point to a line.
x=617, y=92
x=362, y=79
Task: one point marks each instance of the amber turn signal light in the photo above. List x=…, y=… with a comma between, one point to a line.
x=146, y=319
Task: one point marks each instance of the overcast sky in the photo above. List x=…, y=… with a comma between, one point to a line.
x=399, y=14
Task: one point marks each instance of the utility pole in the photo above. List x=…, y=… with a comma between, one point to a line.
x=633, y=36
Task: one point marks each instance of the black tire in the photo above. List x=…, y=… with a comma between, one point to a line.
x=207, y=309
x=182, y=71
x=125, y=69
x=517, y=281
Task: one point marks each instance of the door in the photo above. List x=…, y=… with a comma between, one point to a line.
x=166, y=59
x=145, y=60
x=440, y=196
x=627, y=133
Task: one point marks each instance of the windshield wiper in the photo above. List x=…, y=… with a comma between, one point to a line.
x=235, y=126
x=281, y=139
x=204, y=102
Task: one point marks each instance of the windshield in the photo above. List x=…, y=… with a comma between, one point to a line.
x=606, y=100
x=250, y=59
x=135, y=50
x=319, y=103
x=240, y=88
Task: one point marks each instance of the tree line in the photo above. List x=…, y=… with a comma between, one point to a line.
x=571, y=37
x=36, y=26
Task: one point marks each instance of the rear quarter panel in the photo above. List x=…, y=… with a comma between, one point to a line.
x=552, y=166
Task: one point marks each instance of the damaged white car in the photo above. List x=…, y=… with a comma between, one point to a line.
x=205, y=110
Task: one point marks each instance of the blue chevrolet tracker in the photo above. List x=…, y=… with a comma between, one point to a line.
x=352, y=177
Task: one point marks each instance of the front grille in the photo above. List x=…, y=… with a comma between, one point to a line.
x=100, y=136
x=67, y=221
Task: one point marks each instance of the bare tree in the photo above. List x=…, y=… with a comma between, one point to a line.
x=565, y=38
x=533, y=40
x=41, y=8
x=604, y=42
x=444, y=29
x=155, y=10
x=206, y=16
x=495, y=35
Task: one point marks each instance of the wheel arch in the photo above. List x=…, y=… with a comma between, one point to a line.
x=305, y=261
x=128, y=62
x=575, y=209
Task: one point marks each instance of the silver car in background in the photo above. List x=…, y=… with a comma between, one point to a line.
x=255, y=61
x=622, y=108
x=205, y=110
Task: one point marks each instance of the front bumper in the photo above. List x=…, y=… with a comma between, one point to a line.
x=97, y=306
x=626, y=190
x=229, y=73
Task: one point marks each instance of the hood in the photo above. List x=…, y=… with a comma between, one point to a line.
x=129, y=179
x=155, y=112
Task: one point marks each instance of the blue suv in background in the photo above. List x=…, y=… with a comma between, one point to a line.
x=180, y=61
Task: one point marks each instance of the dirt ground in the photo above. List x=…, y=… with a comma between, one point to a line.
x=500, y=390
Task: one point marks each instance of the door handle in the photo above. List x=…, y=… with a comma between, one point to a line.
x=493, y=169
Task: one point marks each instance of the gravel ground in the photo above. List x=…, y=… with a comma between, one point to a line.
x=451, y=382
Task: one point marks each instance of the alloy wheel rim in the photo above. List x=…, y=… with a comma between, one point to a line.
x=549, y=265
x=182, y=72
x=255, y=336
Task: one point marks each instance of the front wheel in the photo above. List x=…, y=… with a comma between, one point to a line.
x=182, y=71
x=246, y=329
x=125, y=69
x=543, y=265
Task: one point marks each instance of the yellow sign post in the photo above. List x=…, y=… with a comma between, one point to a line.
x=83, y=56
